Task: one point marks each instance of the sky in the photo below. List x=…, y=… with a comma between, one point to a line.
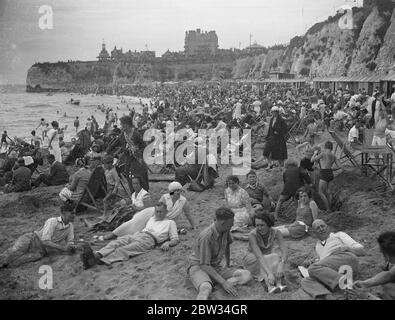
x=79, y=26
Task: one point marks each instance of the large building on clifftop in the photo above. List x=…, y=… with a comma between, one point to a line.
x=200, y=43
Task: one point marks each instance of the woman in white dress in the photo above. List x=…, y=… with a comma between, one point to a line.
x=53, y=141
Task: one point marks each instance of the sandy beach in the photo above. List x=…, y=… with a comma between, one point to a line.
x=362, y=213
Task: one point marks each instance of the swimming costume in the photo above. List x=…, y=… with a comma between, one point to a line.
x=326, y=175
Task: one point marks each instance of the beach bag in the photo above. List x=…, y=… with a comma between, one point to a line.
x=194, y=185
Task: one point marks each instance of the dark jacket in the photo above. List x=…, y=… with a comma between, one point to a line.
x=21, y=179
x=58, y=174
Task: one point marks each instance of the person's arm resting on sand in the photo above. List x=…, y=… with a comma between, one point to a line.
x=379, y=279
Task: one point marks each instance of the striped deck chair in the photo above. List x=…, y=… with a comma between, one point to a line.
x=95, y=189
x=345, y=153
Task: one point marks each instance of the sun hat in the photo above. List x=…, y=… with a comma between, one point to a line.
x=173, y=186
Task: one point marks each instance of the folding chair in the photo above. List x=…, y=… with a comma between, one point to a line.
x=95, y=189
x=348, y=155
x=292, y=132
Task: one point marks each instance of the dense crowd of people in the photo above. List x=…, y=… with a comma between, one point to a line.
x=135, y=225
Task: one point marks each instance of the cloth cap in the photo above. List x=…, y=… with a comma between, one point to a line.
x=175, y=186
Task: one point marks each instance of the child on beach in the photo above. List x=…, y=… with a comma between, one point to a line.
x=326, y=159
x=35, y=141
x=4, y=138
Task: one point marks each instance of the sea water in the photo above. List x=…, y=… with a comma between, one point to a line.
x=20, y=112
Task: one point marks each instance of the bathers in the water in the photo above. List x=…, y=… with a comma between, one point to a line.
x=326, y=175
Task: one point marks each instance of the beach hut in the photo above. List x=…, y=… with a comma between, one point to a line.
x=354, y=83
x=297, y=83
x=325, y=83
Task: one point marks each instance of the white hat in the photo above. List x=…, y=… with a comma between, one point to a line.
x=175, y=186
x=274, y=108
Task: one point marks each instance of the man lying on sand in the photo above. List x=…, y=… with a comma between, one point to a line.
x=56, y=235
x=334, y=250
x=159, y=231
x=210, y=248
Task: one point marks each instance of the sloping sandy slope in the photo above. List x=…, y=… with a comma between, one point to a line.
x=158, y=275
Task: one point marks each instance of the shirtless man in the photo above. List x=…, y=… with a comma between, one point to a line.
x=327, y=159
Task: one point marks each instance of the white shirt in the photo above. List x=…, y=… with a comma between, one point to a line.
x=138, y=200
x=161, y=230
x=237, y=112
x=354, y=133
x=393, y=97
x=55, y=140
x=257, y=107
x=56, y=231
x=369, y=107
x=334, y=242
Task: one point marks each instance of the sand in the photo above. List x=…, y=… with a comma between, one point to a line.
x=363, y=214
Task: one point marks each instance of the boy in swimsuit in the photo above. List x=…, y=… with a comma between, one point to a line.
x=326, y=159
x=4, y=138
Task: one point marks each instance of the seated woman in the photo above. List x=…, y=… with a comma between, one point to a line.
x=238, y=200
x=261, y=261
x=386, y=278
x=159, y=230
x=306, y=213
x=175, y=204
x=78, y=181
x=125, y=209
x=140, y=198
x=113, y=183
x=259, y=196
x=21, y=176
x=293, y=178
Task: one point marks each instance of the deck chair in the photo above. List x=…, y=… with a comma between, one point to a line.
x=348, y=155
x=95, y=189
x=290, y=135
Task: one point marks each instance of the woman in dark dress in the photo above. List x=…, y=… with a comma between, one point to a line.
x=276, y=146
x=130, y=151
